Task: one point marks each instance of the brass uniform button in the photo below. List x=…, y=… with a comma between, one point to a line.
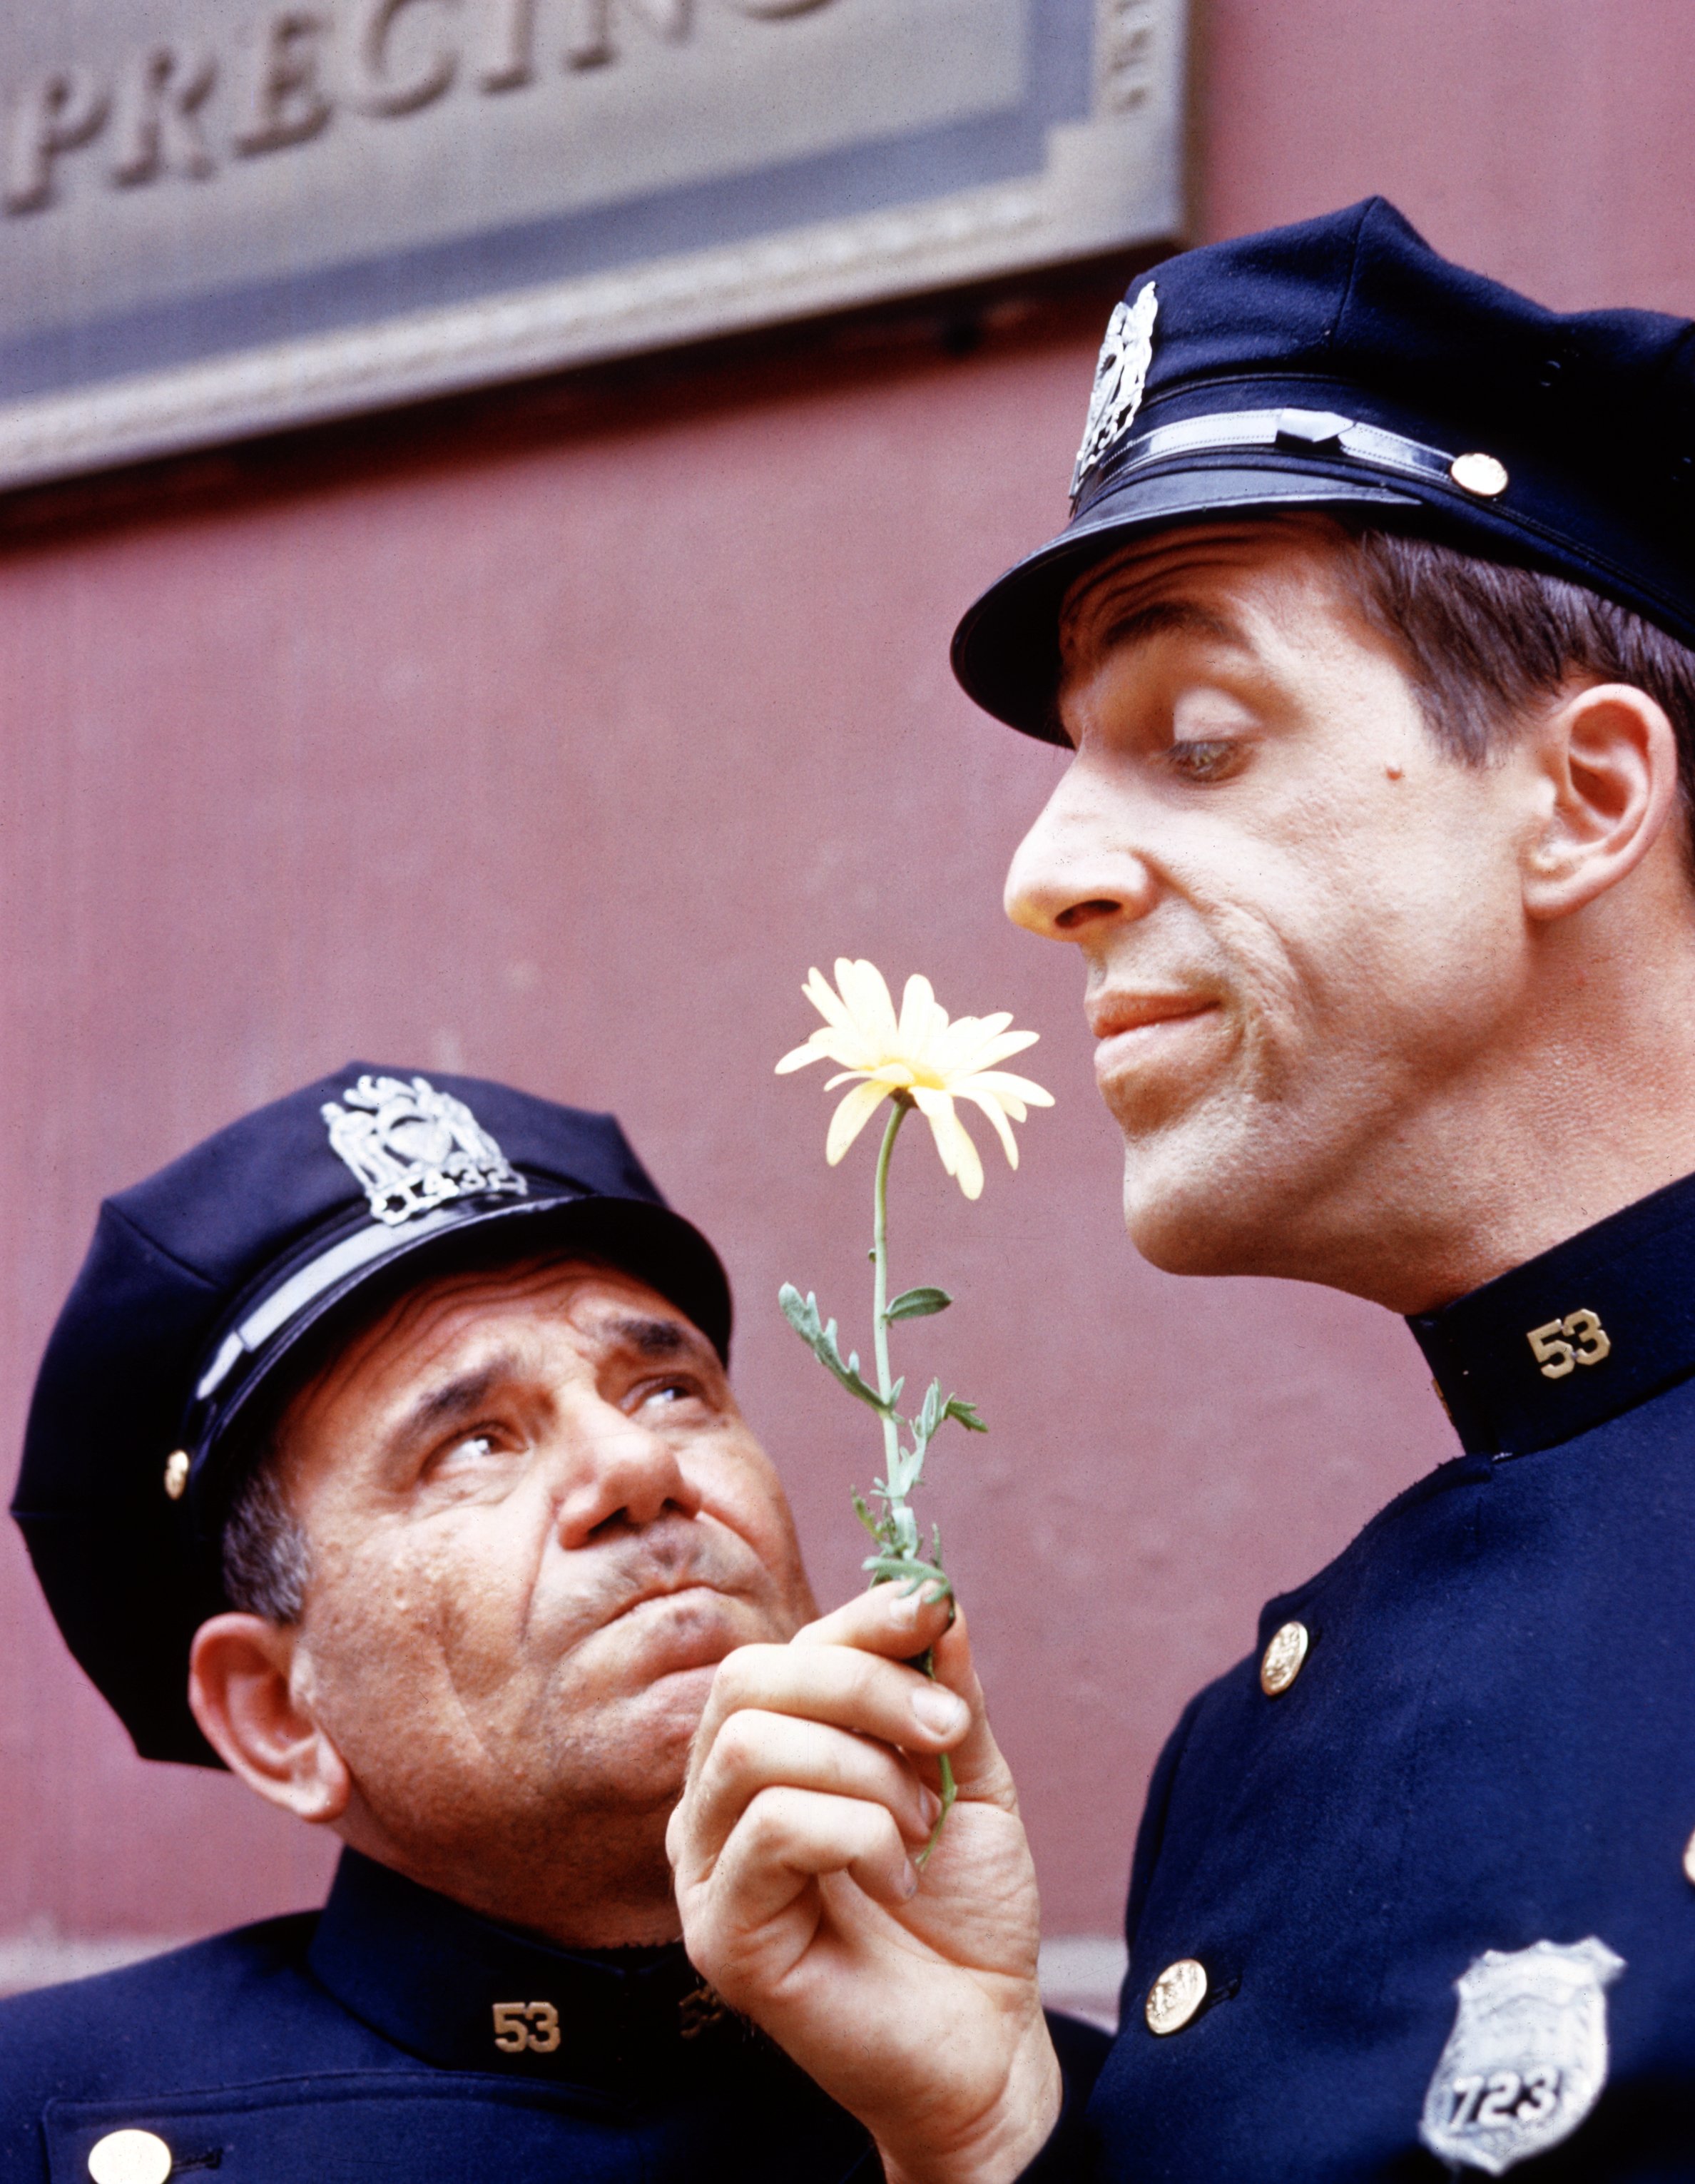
x=1281, y=1662
x=1689, y=1860
x=1176, y=1996
x=130, y=2157
x=1479, y=474
x=177, y=1473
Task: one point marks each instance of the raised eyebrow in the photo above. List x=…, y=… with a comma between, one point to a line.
x=656, y=1338
x=454, y=1401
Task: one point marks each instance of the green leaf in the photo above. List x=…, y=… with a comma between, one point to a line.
x=918, y=1304
x=879, y=1532
x=801, y=1314
x=958, y=1407
x=887, y=1569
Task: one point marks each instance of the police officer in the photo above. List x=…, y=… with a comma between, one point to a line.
x=1371, y=637
x=384, y=1454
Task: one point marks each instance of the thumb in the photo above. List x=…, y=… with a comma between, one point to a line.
x=980, y=1771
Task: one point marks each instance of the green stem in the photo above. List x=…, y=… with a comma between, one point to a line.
x=901, y=1106
x=949, y=1791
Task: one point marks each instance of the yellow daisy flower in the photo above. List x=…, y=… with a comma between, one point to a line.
x=921, y=1053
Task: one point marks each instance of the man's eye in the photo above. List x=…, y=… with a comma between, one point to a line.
x=475, y=1448
x=669, y=1392
x=1204, y=759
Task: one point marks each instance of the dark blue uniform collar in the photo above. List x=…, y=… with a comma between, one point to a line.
x=466, y=1994
x=1573, y=1338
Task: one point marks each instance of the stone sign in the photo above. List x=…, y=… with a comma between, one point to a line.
x=221, y=216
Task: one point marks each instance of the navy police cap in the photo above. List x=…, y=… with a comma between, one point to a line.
x=201, y=1281
x=1342, y=364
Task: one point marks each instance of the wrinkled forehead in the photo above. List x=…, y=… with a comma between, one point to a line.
x=586, y=1292
x=494, y=1320
x=1199, y=577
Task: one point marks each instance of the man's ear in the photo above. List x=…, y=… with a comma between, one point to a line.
x=1606, y=761
x=246, y=1693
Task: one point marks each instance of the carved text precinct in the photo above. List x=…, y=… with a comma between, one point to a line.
x=187, y=109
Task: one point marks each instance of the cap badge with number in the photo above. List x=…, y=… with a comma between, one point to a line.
x=413, y=1148
x=1121, y=376
x=1527, y=2057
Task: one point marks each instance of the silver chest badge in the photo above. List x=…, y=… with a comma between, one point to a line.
x=1120, y=374
x=1527, y=2057
x=411, y=1147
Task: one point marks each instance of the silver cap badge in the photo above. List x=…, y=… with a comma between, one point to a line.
x=412, y=1147
x=1120, y=374
x=1527, y=2057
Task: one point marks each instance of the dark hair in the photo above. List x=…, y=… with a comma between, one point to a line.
x=266, y=1558
x=1483, y=641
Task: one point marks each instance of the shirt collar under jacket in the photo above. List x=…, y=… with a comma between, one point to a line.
x=466, y=1994
x=1572, y=1338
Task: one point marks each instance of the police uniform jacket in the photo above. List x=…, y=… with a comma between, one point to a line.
x=1429, y=1849
x=398, y=2036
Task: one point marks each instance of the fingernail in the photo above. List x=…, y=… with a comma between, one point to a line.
x=931, y=1808
x=938, y=1711
x=909, y=1880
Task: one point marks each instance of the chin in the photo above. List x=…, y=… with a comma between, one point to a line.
x=670, y=1706
x=650, y=1742
x=1196, y=1207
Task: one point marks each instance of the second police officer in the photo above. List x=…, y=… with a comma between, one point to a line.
x=1372, y=635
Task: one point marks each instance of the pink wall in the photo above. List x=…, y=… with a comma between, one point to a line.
x=562, y=758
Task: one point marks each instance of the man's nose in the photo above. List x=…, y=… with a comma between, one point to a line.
x=617, y=1468
x=1073, y=873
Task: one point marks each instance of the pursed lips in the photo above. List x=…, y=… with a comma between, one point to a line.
x=653, y=1594
x=676, y=1629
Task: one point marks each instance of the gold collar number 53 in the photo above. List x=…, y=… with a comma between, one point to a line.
x=1563, y=1345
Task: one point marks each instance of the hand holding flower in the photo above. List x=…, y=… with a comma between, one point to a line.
x=808, y=1809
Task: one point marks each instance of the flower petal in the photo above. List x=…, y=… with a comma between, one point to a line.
x=895, y=1075
x=924, y=1034
x=840, y=1035
x=867, y=997
x=1000, y=1046
x=989, y=1107
x=1017, y=1087
x=856, y=1110
x=799, y=1056
x=959, y=1156
x=1008, y=1102
x=969, y=1038
x=917, y=1014
x=825, y=999
x=930, y=1104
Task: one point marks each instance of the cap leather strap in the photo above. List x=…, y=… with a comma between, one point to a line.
x=1306, y=431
